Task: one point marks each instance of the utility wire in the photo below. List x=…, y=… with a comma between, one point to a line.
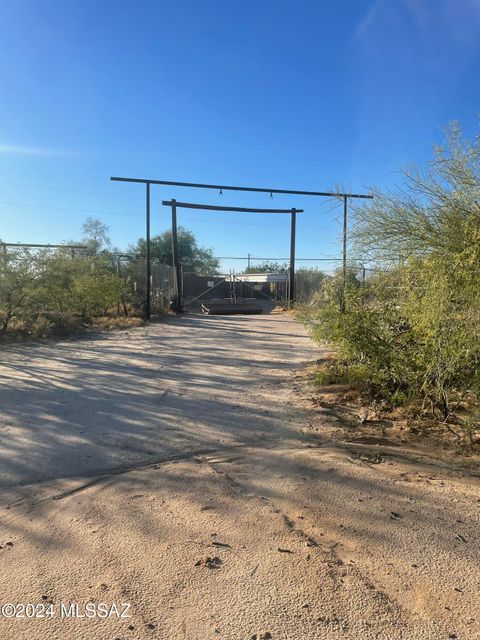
x=156, y=215
x=93, y=193
x=73, y=210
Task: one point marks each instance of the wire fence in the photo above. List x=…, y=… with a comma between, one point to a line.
x=311, y=273
x=162, y=282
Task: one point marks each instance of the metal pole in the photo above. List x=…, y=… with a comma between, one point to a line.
x=291, y=292
x=219, y=187
x=148, y=274
x=344, y=255
x=178, y=304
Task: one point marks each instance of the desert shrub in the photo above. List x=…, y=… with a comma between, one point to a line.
x=47, y=294
x=95, y=292
x=17, y=277
x=415, y=328
x=83, y=286
x=330, y=288
x=307, y=283
x=375, y=343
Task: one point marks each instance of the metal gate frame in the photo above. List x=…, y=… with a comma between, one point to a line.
x=173, y=204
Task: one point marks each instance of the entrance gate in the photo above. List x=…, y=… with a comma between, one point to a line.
x=177, y=266
x=266, y=289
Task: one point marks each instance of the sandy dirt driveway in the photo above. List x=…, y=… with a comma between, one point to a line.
x=177, y=470
x=107, y=402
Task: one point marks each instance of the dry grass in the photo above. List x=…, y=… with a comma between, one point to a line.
x=48, y=326
x=335, y=386
x=123, y=322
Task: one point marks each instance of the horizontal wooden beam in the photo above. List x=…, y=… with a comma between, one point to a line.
x=211, y=207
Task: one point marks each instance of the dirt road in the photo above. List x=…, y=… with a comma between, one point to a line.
x=109, y=402
x=177, y=469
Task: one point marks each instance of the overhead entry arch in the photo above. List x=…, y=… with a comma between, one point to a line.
x=174, y=205
x=221, y=188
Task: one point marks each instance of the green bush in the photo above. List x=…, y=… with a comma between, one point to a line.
x=375, y=342
x=52, y=294
x=415, y=327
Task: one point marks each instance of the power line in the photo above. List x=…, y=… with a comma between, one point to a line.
x=111, y=195
x=253, y=224
x=156, y=215
x=73, y=210
x=93, y=193
x=324, y=259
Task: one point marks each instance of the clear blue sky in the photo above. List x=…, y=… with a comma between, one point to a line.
x=301, y=94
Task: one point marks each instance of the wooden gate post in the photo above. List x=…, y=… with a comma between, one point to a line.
x=148, y=275
x=291, y=280
x=177, y=267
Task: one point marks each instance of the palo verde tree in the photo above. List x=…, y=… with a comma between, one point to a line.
x=415, y=329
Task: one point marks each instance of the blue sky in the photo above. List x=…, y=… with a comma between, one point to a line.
x=299, y=94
